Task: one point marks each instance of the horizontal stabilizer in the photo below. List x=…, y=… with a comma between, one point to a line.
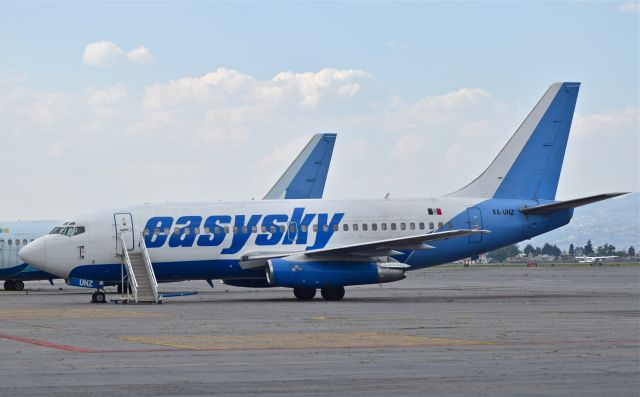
x=561, y=205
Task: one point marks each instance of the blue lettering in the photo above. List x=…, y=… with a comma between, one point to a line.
x=155, y=240
x=214, y=239
x=271, y=237
x=301, y=227
x=325, y=231
x=186, y=234
x=241, y=233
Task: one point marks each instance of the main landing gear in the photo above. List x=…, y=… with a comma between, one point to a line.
x=14, y=285
x=99, y=297
x=328, y=293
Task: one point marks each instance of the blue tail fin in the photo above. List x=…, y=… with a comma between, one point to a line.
x=306, y=176
x=529, y=165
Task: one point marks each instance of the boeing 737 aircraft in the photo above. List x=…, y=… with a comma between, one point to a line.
x=305, y=178
x=325, y=244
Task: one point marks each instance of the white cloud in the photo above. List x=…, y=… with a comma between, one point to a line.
x=141, y=55
x=106, y=53
x=630, y=6
x=101, y=53
x=608, y=122
x=203, y=134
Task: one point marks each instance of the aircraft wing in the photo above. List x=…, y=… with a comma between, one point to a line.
x=306, y=176
x=388, y=247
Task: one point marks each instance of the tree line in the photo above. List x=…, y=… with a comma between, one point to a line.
x=501, y=254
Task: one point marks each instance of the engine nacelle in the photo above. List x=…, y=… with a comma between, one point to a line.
x=282, y=273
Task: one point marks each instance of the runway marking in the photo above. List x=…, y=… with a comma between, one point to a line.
x=299, y=341
x=45, y=343
x=68, y=314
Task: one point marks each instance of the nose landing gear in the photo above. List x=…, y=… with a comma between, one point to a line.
x=99, y=297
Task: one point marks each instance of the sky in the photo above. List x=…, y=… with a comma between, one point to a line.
x=106, y=105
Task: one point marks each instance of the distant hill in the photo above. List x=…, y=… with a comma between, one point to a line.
x=615, y=221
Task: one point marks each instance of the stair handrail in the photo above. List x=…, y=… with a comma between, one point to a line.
x=149, y=266
x=131, y=275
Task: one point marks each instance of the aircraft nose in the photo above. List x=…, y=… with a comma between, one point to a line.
x=35, y=253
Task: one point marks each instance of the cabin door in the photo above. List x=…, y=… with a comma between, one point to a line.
x=124, y=227
x=475, y=222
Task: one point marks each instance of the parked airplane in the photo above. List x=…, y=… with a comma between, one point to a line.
x=326, y=244
x=594, y=259
x=305, y=178
x=13, y=236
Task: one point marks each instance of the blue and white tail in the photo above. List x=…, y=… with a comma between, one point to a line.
x=529, y=165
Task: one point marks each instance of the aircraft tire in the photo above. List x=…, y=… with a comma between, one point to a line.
x=332, y=293
x=100, y=297
x=8, y=285
x=304, y=293
x=18, y=285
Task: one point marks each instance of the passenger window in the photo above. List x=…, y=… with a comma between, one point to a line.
x=156, y=231
x=383, y=226
x=431, y=227
x=412, y=226
x=187, y=231
x=440, y=225
x=216, y=230
x=1, y=244
x=235, y=229
x=9, y=242
x=421, y=225
x=365, y=227
x=244, y=230
x=355, y=227
x=145, y=232
x=17, y=242
x=263, y=229
x=345, y=227
x=272, y=229
x=167, y=230
x=196, y=230
x=254, y=229
x=282, y=229
x=303, y=228
x=24, y=242
x=335, y=227
x=374, y=226
x=393, y=226
x=325, y=228
x=450, y=225
x=32, y=240
x=292, y=228
x=226, y=229
x=403, y=226
x=176, y=230
x=207, y=230
x=315, y=228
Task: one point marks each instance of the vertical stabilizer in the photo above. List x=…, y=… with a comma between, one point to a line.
x=528, y=167
x=306, y=176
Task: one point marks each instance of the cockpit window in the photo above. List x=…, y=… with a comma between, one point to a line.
x=67, y=231
x=55, y=230
x=78, y=230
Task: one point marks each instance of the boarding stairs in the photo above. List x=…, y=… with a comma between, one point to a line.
x=143, y=286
